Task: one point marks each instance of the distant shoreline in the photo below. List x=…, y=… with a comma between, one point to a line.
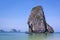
x=27, y=32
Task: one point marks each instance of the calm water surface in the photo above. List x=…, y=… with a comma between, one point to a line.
x=24, y=36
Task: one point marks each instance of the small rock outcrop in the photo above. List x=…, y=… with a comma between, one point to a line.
x=37, y=22
x=50, y=29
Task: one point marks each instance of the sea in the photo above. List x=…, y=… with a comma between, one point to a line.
x=33, y=36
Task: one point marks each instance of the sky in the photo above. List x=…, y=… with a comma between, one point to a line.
x=14, y=13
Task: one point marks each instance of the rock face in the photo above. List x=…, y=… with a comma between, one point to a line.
x=37, y=22
x=50, y=29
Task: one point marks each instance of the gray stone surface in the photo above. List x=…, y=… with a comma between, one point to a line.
x=50, y=29
x=37, y=22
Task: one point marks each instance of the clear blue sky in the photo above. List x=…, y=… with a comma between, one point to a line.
x=15, y=13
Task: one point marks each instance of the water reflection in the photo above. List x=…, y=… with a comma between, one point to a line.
x=41, y=36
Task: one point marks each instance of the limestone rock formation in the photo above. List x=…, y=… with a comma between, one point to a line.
x=50, y=29
x=37, y=22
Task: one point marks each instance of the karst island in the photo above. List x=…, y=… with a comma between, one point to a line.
x=37, y=22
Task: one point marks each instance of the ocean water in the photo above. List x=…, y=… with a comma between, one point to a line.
x=24, y=36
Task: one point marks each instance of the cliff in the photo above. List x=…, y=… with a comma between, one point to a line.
x=37, y=22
